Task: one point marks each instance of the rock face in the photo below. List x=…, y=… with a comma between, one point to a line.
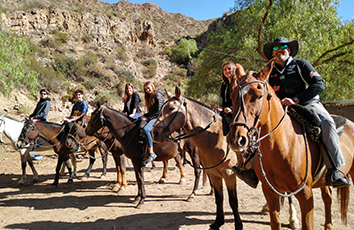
x=97, y=26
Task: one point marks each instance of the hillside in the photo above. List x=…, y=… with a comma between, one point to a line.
x=108, y=44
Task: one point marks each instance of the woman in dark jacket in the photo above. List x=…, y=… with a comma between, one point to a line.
x=225, y=110
x=154, y=101
x=131, y=102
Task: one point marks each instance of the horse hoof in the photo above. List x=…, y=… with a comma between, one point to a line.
x=115, y=189
x=102, y=176
x=162, y=181
x=190, y=198
x=135, y=202
x=139, y=206
x=35, y=180
x=182, y=181
x=70, y=181
x=265, y=210
x=54, y=186
x=84, y=177
x=20, y=184
x=214, y=226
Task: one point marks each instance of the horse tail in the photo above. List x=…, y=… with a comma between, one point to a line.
x=343, y=198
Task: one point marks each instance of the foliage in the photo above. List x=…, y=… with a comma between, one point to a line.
x=145, y=52
x=14, y=62
x=66, y=64
x=104, y=96
x=186, y=50
x=324, y=41
x=151, y=68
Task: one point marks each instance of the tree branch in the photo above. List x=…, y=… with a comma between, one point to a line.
x=260, y=29
x=318, y=61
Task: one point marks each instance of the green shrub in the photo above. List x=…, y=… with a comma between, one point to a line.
x=65, y=64
x=145, y=52
x=61, y=37
x=103, y=97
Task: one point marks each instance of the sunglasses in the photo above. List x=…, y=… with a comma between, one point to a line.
x=283, y=47
x=43, y=93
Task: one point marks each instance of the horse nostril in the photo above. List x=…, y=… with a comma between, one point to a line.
x=241, y=141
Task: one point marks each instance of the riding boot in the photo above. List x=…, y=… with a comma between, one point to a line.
x=248, y=176
x=333, y=178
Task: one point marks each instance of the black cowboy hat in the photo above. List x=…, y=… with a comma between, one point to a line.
x=268, y=48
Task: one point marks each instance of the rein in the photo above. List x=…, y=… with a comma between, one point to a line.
x=254, y=134
x=185, y=136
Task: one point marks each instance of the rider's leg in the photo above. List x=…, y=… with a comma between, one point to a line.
x=147, y=130
x=248, y=175
x=330, y=139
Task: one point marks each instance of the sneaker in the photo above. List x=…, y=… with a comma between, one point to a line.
x=151, y=157
x=333, y=178
x=248, y=176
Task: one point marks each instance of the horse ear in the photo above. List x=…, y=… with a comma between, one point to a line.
x=169, y=94
x=264, y=74
x=98, y=105
x=240, y=72
x=178, y=92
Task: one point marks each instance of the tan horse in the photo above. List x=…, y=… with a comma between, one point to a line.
x=204, y=127
x=286, y=161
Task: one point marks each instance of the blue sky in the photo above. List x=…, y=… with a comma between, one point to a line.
x=208, y=9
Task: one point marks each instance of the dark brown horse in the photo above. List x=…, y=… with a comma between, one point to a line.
x=75, y=137
x=55, y=135
x=204, y=127
x=127, y=133
x=286, y=160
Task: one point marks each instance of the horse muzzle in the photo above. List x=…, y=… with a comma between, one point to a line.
x=238, y=143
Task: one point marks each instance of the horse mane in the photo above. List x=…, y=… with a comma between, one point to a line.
x=13, y=119
x=197, y=102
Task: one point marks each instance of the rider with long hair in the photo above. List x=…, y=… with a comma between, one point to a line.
x=153, y=101
x=131, y=102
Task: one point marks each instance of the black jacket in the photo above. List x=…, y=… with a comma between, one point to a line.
x=297, y=79
x=225, y=95
x=42, y=109
x=155, y=108
x=134, y=104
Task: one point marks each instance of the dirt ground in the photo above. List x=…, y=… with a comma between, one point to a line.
x=91, y=204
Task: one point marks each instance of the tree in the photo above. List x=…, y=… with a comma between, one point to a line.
x=324, y=41
x=14, y=61
x=186, y=50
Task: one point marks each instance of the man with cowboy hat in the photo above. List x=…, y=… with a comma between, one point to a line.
x=295, y=81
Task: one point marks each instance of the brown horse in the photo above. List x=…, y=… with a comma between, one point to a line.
x=55, y=135
x=75, y=137
x=286, y=160
x=126, y=132
x=204, y=127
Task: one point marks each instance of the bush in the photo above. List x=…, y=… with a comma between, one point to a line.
x=145, y=52
x=61, y=37
x=65, y=64
x=122, y=55
x=103, y=97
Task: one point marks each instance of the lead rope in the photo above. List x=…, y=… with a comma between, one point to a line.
x=307, y=170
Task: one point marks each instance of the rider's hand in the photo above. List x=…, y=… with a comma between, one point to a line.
x=287, y=102
x=219, y=110
x=227, y=110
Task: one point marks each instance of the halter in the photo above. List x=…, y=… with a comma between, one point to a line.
x=180, y=136
x=185, y=136
x=32, y=127
x=254, y=133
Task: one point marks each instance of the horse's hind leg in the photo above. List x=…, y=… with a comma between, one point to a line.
x=293, y=220
x=23, y=167
x=30, y=163
x=164, y=173
x=326, y=194
x=71, y=172
x=179, y=162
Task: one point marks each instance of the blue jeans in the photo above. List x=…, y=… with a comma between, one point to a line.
x=147, y=130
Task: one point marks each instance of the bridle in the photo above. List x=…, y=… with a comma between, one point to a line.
x=181, y=136
x=32, y=127
x=254, y=133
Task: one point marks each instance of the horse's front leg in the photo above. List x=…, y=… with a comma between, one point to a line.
x=92, y=161
x=197, y=170
x=23, y=167
x=164, y=172
x=179, y=162
x=232, y=191
x=121, y=183
x=305, y=198
x=139, y=174
x=57, y=170
x=326, y=194
x=218, y=191
x=273, y=202
x=104, y=163
x=71, y=172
